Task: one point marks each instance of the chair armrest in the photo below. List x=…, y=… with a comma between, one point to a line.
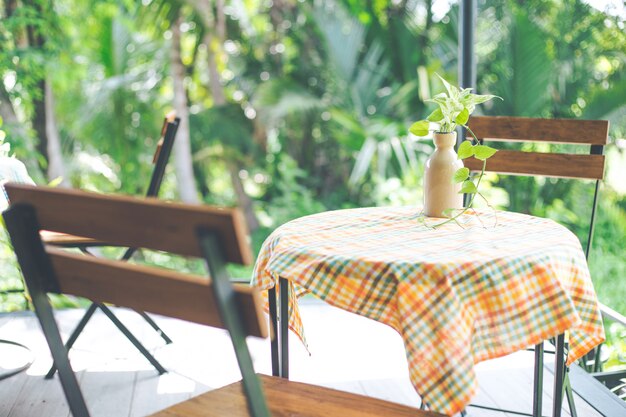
x=608, y=312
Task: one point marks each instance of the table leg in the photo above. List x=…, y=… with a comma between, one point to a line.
x=538, y=381
x=559, y=375
x=284, y=328
x=570, y=394
x=271, y=295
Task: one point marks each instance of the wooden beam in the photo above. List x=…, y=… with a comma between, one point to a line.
x=155, y=290
x=135, y=222
x=542, y=164
x=525, y=129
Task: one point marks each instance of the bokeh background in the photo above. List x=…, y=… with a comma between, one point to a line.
x=291, y=107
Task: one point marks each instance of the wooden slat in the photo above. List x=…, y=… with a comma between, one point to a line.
x=504, y=128
x=287, y=398
x=150, y=289
x=69, y=241
x=133, y=222
x=543, y=164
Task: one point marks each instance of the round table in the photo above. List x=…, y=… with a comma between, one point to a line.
x=457, y=295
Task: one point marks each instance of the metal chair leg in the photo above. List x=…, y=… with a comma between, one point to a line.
x=72, y=339
x=127, y=255
x=160, y=369
x=155, y=326
x=284, y=328
x=83, y=322
x=569, y=393
x=559, y=375
x=538, y=381
x=50, y=329
x=271, y=295
x=92, y=309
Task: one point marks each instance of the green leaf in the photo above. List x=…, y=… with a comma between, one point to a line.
x=465, y=149
x=532, y=66
x=55, y=182
x=448, y=212
x=484, y=152
x=468, y=187
x=452, y=90
x=463, y=117
x=473, y=99
x=435, y=116
x=420, y=128
x=461, y=175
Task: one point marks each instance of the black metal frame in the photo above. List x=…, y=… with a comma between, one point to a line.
x=279, y=318
x=227, y=306
x=280, y=359
x=156, y=179
x=596, y=369
x=279, y=314
x=562, y=383
x=23, y=227
x=21, y=222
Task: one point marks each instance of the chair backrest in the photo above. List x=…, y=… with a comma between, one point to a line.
x=162, y=153
x=216, y=234
x=524, y=129
x=584, y=133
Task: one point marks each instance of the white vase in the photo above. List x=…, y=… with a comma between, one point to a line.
x=440, y=192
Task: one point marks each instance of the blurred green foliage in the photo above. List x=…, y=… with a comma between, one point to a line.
x=319, y=96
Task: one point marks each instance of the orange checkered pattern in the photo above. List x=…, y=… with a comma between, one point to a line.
x=457, y=295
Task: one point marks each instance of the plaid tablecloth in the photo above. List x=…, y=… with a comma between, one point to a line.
x=457, y=296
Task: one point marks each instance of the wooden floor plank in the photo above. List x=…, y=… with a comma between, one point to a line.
x=396, y=390
x=345, y=352
x=9, y=390
x=38, y=398
x=153, y=393
x=108, y=392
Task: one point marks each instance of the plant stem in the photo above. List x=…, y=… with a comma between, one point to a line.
x=471, y=202
x=472, y=132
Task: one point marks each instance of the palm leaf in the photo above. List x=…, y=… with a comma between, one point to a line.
x=278, y=98
x=608, y=104
x=344, y=36
x=531, y=65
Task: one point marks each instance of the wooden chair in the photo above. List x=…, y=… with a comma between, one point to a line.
x=591, y=134
x=160, y=159
x=215, y=234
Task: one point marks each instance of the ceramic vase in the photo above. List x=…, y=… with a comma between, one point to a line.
x=440, y=192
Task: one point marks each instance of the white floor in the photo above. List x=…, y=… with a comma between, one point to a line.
x=347, y=352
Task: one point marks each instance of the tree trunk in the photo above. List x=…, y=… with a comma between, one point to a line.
x=221, y=20
x=243, y=200
x=39, y=123
x=182, y=146
x=36, y=40
x=219, y=99
x=204, y=10
x=7, y=111
x=56, y=167
x=217, y=90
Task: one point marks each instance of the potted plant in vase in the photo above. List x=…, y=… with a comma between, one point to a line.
x=445, y=177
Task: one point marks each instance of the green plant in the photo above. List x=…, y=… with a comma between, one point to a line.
x=454, y=109
x=5, y=147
